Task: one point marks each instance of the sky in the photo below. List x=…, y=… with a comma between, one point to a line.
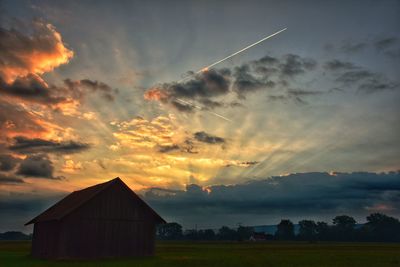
x=303, y=125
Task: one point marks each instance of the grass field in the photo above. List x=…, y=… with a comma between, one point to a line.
x=280, y=254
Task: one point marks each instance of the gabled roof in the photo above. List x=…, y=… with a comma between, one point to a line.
x=77, y=198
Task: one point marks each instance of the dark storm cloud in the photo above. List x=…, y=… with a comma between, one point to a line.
x=36, y=145
x=18, y=208
x=207, y=84
x=376, y=85
x=10, y=179
x=293, y=65
x=295, y=194
x=348, y=75
x=246, y=82
x=336, y=64
x=301, y=92
x=296, y=95
x=389, y=46
x=278, y=97
x=166, y=149
x=211, y=104
x=353, y=47
x=266, y=66
x=33, y=89
x=384, y=43
x=78, y=88
x=39, y=166
x=207, y=138
x=355, y=76
x=185, y=147
x=8, y=162
x=183, y=106
x=256, y=75
x=202, y=87
x=266, y=61
x=243, y=164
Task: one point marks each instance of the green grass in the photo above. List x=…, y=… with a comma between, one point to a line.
x=279, y=254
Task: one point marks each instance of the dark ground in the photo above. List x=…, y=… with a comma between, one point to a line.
x=279, y=254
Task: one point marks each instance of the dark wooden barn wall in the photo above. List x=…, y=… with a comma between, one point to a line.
x=108, y=225
x=45, y=239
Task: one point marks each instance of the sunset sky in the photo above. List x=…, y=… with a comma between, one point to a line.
x=89, y=92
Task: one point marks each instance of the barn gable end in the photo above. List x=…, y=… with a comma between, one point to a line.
x=102, y=221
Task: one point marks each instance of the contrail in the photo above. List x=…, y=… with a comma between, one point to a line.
x=232, y=55
x=200, y=108
x=215, y=63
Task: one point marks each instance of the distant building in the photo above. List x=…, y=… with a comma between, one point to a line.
x=107, y=220
x=259, y=237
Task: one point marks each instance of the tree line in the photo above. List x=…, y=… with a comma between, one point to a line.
x=379, y=227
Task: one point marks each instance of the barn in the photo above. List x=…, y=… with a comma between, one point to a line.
x=107, y=220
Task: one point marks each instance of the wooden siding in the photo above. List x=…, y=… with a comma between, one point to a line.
x=111, y=224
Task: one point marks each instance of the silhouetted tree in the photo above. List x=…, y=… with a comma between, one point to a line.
x=191, y=234
x=307, y=230
x=323, y=231
x=169, y=231
x=209, y=234
x=285, y=230
x=380, y=227
x=244, y=233
x=226, y=233
x=14, y=235
x=344, y=227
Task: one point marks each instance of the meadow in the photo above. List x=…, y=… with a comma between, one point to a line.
x=269, y=254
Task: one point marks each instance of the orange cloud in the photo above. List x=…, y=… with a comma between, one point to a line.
x=38, y=53
x=155, y=94
x=142, y=133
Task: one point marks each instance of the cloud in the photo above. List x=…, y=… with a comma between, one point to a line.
x=78, y=88
x=353, y=47
x=10, y=179
x=38, y=166
x=388, y=46
x=301, y=92
x=25, y=56
x=246, y=82
x=17, y=208
x=166, y=149
x=208, y=87
x=354, y=76
x=37, y=53
x=348, y=74
x=160, y=133
x=187, y=146
x=296, y=95
x=34, y=89
x=293, y=65
x=242, y=164
x=25, y=145
x=15, y=120
x=385, y=43
x=336, y=64
x=377, y=85
x=8, y=162
x=203, y=86
x=207, y=138
x=301, y=194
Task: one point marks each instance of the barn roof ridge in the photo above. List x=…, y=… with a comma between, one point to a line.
x=77, y=198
